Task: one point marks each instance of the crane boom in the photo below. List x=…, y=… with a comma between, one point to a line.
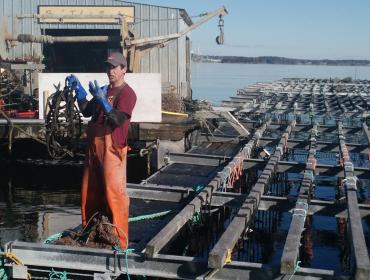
x=142, y=41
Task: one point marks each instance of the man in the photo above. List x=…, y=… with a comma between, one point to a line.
x=104, y=177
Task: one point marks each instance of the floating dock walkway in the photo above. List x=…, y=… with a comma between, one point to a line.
x=293, y=134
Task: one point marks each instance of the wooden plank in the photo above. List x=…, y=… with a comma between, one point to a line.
x=356, y=231
x=292, y=242
x=226, y=243
x=235, y=124
x=366, y=130
x=225, y=115
x=367, y=133
x=357, y=237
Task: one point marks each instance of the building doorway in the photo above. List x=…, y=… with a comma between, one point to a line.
x=84, y=57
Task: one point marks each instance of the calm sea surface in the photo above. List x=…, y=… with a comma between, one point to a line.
x=217, y=81
x=37, y=201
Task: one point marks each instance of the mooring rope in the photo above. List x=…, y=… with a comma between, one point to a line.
x=297, y=267
x=3, y=275
x=13, y=258
x=152, y=216
x=62, y=275
x=53, y=237
x=236, y=171
x=125, y=252
x=198, y=188
x=232, y=172
x=299, y=211
x=196, y=218
x=223, y=175
x=228, y=257
x=149, y=216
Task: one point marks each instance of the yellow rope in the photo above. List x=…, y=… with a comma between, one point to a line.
x=174, y=113
x=228, y=256
x=12, y=257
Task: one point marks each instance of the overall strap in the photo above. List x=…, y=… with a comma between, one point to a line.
x=116, y=93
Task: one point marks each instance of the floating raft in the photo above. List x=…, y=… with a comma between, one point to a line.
x=310, y=129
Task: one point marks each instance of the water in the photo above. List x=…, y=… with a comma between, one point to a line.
x=37, y=201
x=217, y=81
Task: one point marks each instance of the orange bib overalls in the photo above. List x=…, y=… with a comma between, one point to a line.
x=104, y=181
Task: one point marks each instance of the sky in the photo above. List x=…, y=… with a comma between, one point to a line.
x=312, y=29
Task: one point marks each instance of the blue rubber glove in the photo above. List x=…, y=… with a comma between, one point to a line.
x=74, y=83
x=100, y=94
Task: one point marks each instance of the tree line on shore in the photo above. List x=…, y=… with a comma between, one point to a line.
x=277, y=60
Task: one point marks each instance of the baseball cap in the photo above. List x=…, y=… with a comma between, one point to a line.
x=116, y=59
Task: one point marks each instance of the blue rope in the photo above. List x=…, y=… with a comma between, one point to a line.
x=57, y=236
x=196, y=218
x=62, y=275
x=149, y=216
x=3, y=275
x=224, y=180
x=198, y=188
x=296, y=269
x=53, y=237
x=302, y=212
x=125, y=252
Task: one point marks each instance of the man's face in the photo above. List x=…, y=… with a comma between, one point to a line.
x=115, y=73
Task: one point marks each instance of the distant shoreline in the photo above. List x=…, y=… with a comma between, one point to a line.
x=208, y=62
x=276, y=60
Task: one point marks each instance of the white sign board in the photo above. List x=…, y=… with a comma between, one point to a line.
x=147, y=87
x=75, y=14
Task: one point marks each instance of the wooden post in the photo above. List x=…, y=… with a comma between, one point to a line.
x=45, y=97
x=132, y=58
x=137, y=60
x=124, y=35
x=367, y=132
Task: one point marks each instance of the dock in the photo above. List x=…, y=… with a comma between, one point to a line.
x=258, y=159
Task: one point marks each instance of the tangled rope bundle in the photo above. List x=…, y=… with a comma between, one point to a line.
x=232, y=172
x=236, y=171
